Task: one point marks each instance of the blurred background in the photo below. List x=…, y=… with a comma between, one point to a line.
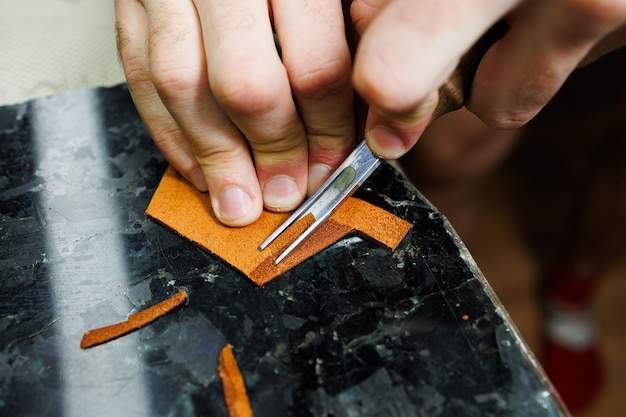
x=562, y=183
x=543, y=211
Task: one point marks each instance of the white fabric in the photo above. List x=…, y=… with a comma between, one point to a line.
x=49, y=46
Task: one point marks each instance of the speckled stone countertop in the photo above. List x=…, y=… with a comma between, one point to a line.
x=354, y=331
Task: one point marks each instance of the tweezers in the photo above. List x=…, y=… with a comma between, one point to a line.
x=350, y=175
x=361, y=163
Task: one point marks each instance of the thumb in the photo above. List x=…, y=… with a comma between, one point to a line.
x=406, y=54
x=390, y=135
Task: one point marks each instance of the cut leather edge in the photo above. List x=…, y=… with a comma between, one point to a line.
x=188, y=212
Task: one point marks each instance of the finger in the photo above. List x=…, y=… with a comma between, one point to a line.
x=362, y=12
x=546, y=41
x=179, y=71
x=390, y=135
x=613, y=41
x=406, y=53
x=411, y=48
x=132, y=32
x=317, y=59
x=250, y=83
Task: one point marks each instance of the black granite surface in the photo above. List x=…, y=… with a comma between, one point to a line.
x=354, y=331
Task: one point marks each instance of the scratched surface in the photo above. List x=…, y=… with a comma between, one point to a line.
x=354, y=331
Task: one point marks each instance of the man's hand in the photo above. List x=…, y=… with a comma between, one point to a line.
x=223, y=107
x=258, y=129
x=409, y=48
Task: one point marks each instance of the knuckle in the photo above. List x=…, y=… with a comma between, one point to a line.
x=173, y=80
x=278, y=148
x=166, y=136
x=330, y=150
x=506, y=119
x=246, y=92
x=219, y=158
x=512, y=108
x=135, y=70
x=325, y=77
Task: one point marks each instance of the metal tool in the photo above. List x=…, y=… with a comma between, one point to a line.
x=340, y=185
x=361, y=163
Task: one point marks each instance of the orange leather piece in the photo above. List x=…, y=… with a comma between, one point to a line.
x=135, y=321
x=182, y=208
x=235, y=393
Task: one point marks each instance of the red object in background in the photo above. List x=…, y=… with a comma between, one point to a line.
x=571, y=353
x=577, y=375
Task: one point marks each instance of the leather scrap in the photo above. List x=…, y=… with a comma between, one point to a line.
x=135, y=321
x=179, y=206
x=235, y=394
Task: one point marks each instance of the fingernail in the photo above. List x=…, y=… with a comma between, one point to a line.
x=234, y=203
x=197, y=179
x=318, y=173
x=385, y=143
x=281, y=193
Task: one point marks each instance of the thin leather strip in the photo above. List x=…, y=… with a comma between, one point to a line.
x=182, y=208
x=135, y=321
x=235, y=394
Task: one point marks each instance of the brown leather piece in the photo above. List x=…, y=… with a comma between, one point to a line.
x=235, y=394
x=182, y=208
x=135, y=321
